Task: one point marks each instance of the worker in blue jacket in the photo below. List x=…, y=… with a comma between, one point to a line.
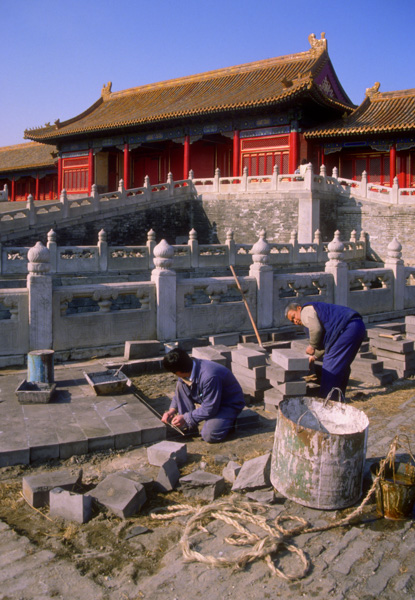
x=335, y=333
x=208, y=384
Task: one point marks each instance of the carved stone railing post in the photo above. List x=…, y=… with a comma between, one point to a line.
x=121, y=189
x=363, y=185
x=395, y=191
x=335, y=173
x=323, y=171
x=95, y=197
x=294, y=247
x=103, y=251
x=274, y=181
x=5, y=192
x=39, y=284
x=165, y=280
x=63, y=199
x=338, y=268
x=30, y=204
x=194, y=249
x=53, y=251
x=147, y=187
x=263, y=273
x=395, y=263
x=245, y=179
x=151, y=244
x=170, y=184
x=230, y=242
x=308, y=177
x=216, y=184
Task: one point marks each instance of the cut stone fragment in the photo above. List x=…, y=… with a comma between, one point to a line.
x=203, y=485
x=254, y=474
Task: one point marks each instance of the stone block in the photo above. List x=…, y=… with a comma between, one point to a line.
x=69, y=505
x=398, y=346
x=292, y=388
x=227, y=339
x=36, y=488
x=168, y=476
x=252, y=338
x=252, y=384
x=159, y=453
x=273, y=397
x=209, y=353
x=277, y=375
x=271, y=408
x=248, y=358
x=290, y=359
x=203, y=485
x=226, y=352
x=251, y=395
x=139, y=476
x=367, y=365
x=230, y=472
x=262, y=496
x=407, y=359
x=254, y=474
x=120, y=495
x=254, y=373
x=141, y=349
x=410, y=320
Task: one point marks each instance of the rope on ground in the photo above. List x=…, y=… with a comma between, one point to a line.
x=239, y=513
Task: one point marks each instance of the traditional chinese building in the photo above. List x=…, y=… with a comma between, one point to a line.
x=29, y=169
x=377, y=137
x=252, y=115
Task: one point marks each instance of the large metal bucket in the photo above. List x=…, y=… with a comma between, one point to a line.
x=319, y=452
x=395, y=491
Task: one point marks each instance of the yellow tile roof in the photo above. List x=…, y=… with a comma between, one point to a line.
x=29, y=155
x=387, y=112
x=257, y=84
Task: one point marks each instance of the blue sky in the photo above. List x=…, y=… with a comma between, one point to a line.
x=57, y=54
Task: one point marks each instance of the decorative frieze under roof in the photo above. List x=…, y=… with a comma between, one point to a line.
x=379, y=113
x=269, y=83
x=30, y=155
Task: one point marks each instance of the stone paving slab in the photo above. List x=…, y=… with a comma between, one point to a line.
x=75, y=422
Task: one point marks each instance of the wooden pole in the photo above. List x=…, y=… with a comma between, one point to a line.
x=246, y=306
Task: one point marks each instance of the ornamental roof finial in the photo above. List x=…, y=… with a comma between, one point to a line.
x=372, y=90
x=318, y=45
x=106, y=89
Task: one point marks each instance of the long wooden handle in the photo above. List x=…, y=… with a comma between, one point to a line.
x=246, y=305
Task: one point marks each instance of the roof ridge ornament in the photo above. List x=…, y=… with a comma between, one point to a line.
x=372, y=90
x=106, y=89
x=317, y=46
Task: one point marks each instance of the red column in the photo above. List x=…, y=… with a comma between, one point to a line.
x=186, y=157
x=90, y=170
x=294, y=146
x=37, y=188
x=236, y=154
x=60, y=182
x=13, y=191
x=126, y=166
x=402, y=171
x=392, y=164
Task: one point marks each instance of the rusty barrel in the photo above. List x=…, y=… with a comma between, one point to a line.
x=319, y=452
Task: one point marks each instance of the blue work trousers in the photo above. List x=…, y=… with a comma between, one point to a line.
x=339, y=357
x=216, y=428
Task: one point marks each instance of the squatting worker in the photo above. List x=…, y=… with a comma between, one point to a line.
x=335, y=332
x=208, y=384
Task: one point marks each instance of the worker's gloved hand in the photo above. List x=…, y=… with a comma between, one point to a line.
x=168, y=415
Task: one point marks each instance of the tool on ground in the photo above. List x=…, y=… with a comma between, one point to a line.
x=395, y=337
x=137, y=395
x=246, y=305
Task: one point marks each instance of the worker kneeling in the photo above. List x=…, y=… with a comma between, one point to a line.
x=335, y=333
x=208, y=384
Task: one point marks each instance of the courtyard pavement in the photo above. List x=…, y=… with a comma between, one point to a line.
x=76, y=421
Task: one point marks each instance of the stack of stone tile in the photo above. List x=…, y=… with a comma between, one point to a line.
x=286, y=376
x=249, y=367
x=211, y=353
x=396, y=352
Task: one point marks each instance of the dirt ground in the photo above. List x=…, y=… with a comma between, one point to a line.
x=102, y=548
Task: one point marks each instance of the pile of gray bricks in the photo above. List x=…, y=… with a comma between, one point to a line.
x=249, y=367
x=286, y=376
x=395, y=350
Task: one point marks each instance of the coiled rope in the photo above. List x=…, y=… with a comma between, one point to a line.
x=239, y=513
